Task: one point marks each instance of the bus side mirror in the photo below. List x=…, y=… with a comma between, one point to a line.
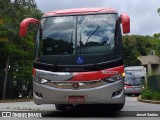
x=24, y=25
x=125, y=20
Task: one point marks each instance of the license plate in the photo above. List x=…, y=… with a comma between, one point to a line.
x=76, y=99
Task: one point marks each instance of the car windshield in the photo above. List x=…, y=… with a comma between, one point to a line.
x=93, y=37
x=131, y=80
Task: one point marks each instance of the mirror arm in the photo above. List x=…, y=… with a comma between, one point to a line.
x=125, y=20
x=24, y=25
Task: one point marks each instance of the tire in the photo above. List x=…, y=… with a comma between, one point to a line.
x=128, y=94
x=62, y=107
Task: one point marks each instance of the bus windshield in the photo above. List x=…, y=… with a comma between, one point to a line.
x=94, y=37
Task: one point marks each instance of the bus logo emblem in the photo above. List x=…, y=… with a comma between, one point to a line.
x=75, y=85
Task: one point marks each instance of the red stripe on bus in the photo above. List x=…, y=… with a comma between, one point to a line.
x=96, y=75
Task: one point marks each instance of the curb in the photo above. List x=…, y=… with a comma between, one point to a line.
x=147, y=101
x=18, y=100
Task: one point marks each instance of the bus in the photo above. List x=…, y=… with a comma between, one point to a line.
x=135, y=80
x=79, y=57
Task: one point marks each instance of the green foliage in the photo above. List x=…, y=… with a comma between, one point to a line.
x=158, y=11
x=152, y=90
x=137, y=45
x=150, y=94
x=157, y=35
x=20, y=50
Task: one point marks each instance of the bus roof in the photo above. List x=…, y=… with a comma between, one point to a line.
x=134, y=68
x=79, y=11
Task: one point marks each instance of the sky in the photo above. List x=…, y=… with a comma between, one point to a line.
x=143, y=13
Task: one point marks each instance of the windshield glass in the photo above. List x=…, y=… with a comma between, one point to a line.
x=96, y=33
x=58, y=35
x=133, y=80
x=90, y=38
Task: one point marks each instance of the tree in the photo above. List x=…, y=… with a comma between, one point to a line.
x=158, y=11
x=157, y=35
x=137, y=45
x=14, y=51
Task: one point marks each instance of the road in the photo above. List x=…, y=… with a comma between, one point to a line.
x=49, y=111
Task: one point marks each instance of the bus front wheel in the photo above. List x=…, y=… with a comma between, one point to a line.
x=116, y=107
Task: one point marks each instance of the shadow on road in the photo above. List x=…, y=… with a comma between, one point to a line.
x=84, y=111
x=80, y=114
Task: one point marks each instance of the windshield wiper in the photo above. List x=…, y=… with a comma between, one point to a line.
x=81, y=43
x=86, y=49
x=61, y=56
x=97, y=28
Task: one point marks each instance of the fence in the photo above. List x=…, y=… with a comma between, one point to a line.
x=154, y=82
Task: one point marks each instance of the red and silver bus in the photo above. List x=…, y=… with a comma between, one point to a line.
x=79, y=57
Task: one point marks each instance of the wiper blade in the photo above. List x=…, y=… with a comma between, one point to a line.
x=61, y=56
x=86, y=49
x=97, y=28
x=81, y=43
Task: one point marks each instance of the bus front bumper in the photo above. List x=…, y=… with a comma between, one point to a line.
x=112, y=93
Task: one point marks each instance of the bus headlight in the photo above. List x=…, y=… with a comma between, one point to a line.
x=40, y=80
x=143, y=87
x=113, y=78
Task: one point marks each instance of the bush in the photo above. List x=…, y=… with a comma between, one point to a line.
x=150, y=94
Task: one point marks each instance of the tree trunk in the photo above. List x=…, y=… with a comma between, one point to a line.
x=5, y=78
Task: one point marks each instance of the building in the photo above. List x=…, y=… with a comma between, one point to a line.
x=151, y=62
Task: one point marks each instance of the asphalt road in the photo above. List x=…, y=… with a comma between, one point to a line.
x=131, y=108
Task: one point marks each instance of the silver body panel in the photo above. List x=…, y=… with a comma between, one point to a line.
x=97, y=95
x=56, y=76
